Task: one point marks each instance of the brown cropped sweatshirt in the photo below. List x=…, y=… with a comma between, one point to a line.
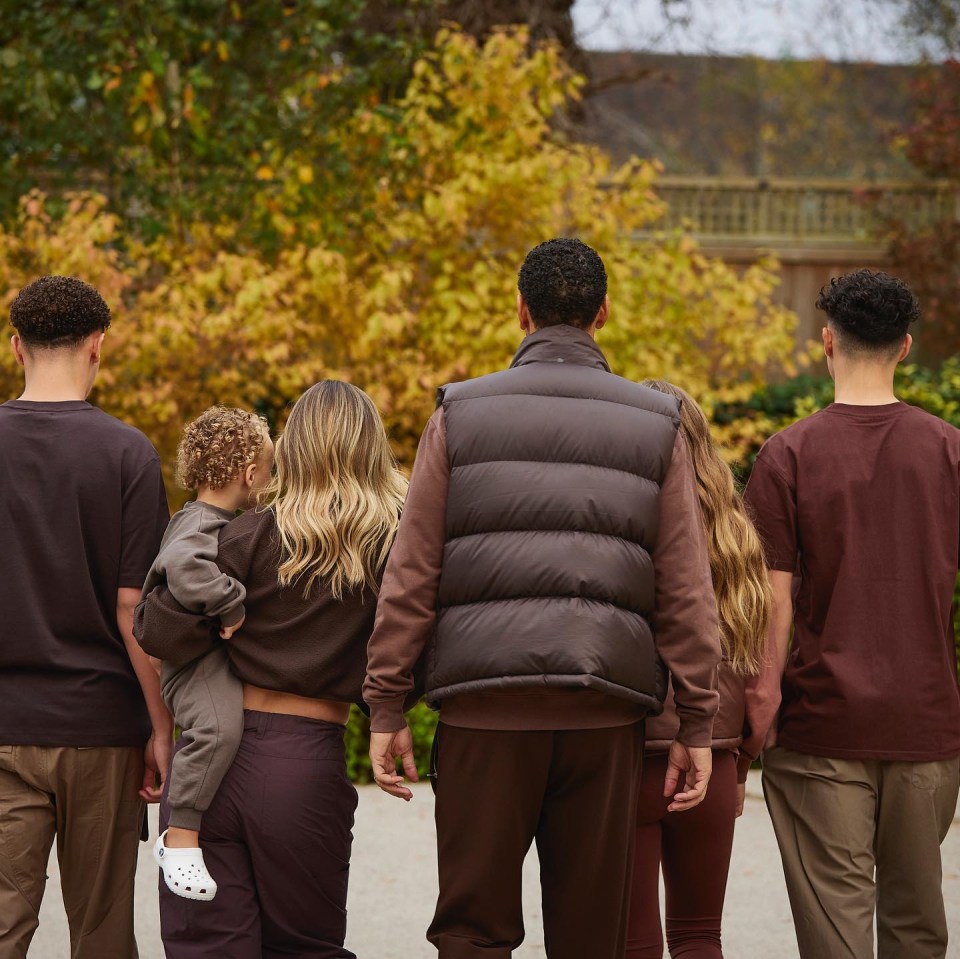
x=747, y=708
x=313, y=647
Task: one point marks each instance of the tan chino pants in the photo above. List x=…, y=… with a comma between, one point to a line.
x=87, y=798
x=858, y=836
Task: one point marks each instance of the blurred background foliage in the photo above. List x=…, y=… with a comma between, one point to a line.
x=413, y=282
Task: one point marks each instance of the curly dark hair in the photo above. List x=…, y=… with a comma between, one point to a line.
x=870, y=311
x=563, y=282
x=56, y=311
x=218, y=446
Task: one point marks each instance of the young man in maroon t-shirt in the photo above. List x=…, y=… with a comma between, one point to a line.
x=859, y=509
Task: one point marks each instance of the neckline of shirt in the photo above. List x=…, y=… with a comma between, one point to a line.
x=863, y=412
x=50, y=406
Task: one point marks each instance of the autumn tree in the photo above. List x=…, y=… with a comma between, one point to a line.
x=928, y=254
x=416, y=286
x=180, y=110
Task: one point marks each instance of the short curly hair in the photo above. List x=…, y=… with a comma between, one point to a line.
x=870, y=311
x=56, y=311
x=218, y=445
x=563, y=282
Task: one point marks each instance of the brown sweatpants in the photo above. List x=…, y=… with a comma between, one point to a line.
x=206, y=700
x=88, y=799
x=857, y=836
x=572, y=791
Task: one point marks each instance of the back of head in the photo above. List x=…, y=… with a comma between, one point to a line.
x=737, y=563
x=218, y=445
x=563, y=282
x=57, y=312
x=337, y=492
x=870, y=313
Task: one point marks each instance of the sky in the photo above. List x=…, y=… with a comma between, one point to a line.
x=863, y=30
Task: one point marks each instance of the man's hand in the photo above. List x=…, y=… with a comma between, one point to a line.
x=741, y=798
x=696, y=764
x=385, y=749
x=156, y=760
x=226, y=632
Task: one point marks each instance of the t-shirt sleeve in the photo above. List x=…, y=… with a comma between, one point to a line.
x=145, y=517
x=772, y=503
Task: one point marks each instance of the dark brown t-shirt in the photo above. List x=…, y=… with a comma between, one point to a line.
x=82, y=512
x=864, y=502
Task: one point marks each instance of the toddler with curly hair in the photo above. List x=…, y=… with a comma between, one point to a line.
x=226, y=456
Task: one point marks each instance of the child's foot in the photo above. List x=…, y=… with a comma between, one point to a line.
x=184, y=871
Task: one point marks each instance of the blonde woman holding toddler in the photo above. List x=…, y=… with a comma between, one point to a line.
x=277, y=834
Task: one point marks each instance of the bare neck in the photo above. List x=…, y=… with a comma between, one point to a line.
x=864, y=384
x=231, y=497
x=56, y=379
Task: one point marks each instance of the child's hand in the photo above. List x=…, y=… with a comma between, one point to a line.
x=226, y=632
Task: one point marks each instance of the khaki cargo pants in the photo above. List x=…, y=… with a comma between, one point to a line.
x=858, y=836
x=88, y=799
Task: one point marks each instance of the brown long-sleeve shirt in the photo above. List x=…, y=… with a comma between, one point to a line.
x=685, y=620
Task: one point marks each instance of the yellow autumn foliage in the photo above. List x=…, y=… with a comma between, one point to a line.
x=416, y=286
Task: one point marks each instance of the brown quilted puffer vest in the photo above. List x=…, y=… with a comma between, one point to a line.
x=555, y=473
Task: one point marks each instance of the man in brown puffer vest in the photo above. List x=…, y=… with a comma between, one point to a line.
x=551, y=548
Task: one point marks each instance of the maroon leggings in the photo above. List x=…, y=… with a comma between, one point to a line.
x=693, y=849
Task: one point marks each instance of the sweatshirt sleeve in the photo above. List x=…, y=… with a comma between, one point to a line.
x=407, y=605
x=165, y=629
x=686, y=627
x=197, y=582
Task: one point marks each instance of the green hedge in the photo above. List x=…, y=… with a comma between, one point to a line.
x=422, y=720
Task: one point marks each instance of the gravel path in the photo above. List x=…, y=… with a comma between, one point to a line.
x=394, y=882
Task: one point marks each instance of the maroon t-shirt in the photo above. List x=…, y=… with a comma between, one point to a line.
x=864, y=503
x=82, y=512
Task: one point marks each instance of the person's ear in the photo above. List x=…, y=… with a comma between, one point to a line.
x=905, y=349
x=603, y=314
x=523, y=313
x=249, y=475
x=17, y=344
x=828, y=342
x=96, y=346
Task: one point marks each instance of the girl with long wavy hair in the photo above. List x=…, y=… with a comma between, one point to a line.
x=693, y=847
x=277, y=835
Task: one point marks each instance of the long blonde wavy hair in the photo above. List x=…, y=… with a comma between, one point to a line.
x=337, y=492
x=740, y=581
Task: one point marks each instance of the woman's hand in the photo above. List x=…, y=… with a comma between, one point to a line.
x=385, y=750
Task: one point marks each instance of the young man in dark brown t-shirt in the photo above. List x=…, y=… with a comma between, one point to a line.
x=83, y=731
x=859, y=509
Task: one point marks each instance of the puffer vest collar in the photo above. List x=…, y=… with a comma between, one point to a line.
x=561, y=344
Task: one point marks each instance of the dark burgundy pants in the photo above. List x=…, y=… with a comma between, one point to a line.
x=277, y=840
x=693, y=849
x=574, y=793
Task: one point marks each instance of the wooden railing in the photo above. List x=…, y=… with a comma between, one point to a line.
x=779, y=210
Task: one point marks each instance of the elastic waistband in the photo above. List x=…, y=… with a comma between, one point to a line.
x=285, y=722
